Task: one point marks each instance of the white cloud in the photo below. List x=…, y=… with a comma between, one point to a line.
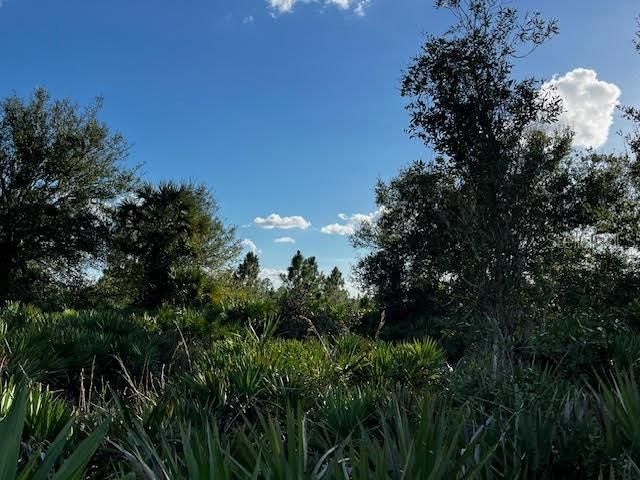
x=352, y=288
x=360, y=7
x=589, y=104
x=351, y=223
x=337, y=229
x=282, y=5
x=248, y=19
x=285, y=223
x=248, y=244
x=286, y=6
x=273, y=274
x=284, y=240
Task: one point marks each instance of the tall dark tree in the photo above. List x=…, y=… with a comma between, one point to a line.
x=303, y=284
x=471, y=231
x=249, y=270
x=166, y=239
x=300, y=294
x=313, y=302
x=339, y=309
x=334, y=283
x=632, y=113
x=60, y=167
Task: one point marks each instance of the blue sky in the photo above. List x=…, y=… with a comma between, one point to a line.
x=286, y=107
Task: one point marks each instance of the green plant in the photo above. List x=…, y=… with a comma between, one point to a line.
x=620, y=404
x=45, y=413
x=194, y=453
x=436, y=445
x=41, y=465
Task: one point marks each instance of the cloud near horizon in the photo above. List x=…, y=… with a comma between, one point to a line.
x=286, y=6
x=284, y=223
x=272, y=274
x=589, y=105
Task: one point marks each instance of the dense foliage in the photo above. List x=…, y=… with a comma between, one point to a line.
x=192, y=394
x=498, y=335
x=166, y=240
x=59, y=170
x=508, y=225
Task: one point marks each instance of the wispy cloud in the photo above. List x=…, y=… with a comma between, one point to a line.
x=589, y=105
x=284, y=223
x=248, y=19
x=284, y=240
x=360, y=8
x=249, y=245
x=286, y=6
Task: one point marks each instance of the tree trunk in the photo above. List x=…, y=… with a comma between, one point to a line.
x=5, y=272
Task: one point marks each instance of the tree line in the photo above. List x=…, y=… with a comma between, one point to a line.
x=68, y=204
x=78, y=228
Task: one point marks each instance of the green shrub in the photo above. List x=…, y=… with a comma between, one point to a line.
x=45, y=413
x=40, y=464
x=620, y=404
x=577, y=345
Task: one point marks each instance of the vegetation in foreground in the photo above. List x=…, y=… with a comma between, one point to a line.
x=182, y=394
x=499, y=335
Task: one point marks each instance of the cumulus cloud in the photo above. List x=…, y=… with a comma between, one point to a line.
x=589, y=104
x=285, y=223
x=286, y=6
x=273, y=274
x=249, y=245
x=351, y=223
x=338, y=229
x=284, y=240
x=248, y=19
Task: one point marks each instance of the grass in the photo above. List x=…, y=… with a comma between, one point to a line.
x=136, y=395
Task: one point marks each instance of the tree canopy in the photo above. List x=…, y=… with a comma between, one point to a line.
x=248, y=271
x=168, y=238
x=60, y=169
x=482, y=230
